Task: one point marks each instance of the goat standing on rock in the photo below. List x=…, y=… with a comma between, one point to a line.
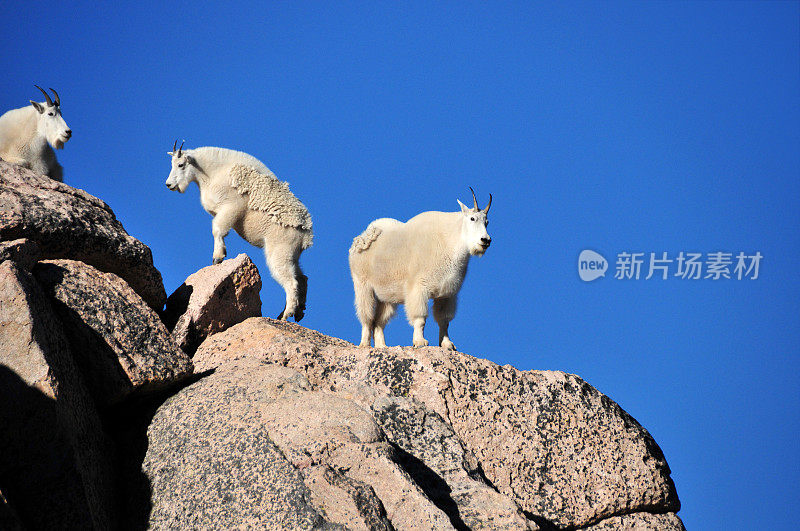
x=27, y=133
x=242, y=194
x=408, y=263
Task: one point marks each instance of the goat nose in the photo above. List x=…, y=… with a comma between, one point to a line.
x=486, y=241
x=68, y=132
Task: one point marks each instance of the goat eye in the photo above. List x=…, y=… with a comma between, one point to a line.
x=50, y=114
x=472, y=218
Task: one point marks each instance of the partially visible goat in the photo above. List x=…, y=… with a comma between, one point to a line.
x=243, y=194
x=408, y=263
x=27, y=133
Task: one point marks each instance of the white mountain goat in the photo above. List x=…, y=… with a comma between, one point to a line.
x=242, y=194
x=27, y=133
x=408, y=263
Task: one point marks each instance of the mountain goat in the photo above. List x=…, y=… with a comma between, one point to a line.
x=242, y=193
x=27, y=133
x=408, y=263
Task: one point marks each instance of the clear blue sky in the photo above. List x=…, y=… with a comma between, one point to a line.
x=613, y=126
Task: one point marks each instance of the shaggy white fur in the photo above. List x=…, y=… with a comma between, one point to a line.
x=268, y=194
x=242, y=194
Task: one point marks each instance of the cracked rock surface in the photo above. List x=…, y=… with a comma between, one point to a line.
x=559, y=452
x=117, y=340
x=253, y=445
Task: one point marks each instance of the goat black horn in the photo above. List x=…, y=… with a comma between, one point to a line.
x=57, y=101
x=473, y=199
x=46, y=96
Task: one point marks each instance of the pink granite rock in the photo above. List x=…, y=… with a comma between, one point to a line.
x=640, y=522
x=566, y=453
x=25, y=253
x=317, y=429
x=251, y=445
x=213, y=299
x=67, y=222
x=55, y=465
x=433, y=455
x=119, y=343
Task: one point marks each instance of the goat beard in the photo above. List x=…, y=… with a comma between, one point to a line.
x=58, y=144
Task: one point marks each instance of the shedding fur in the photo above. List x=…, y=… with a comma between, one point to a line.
x=363, y=241
x=241, y=193
x=268, y=194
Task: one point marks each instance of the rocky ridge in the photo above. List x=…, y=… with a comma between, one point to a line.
x=118, y=413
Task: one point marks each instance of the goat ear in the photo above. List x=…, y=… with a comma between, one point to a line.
x=169, y=153
x=38, y=106
x=464, y=207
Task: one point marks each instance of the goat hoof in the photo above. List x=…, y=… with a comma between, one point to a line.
x=421, y=343
x=448, y=345
x=217, y=261
x=298, y=315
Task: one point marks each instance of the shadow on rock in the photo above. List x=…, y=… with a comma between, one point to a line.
x=38, y=474
x=127, y=425
x=177, y=304
x=432, y=485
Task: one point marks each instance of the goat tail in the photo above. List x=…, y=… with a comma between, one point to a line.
x=363, y=241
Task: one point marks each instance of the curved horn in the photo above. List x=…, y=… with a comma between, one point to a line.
x=46, y=96
x=57, y=101
x=473, y=199
x=174, y=146
x=180, y=148
x=486, y=210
